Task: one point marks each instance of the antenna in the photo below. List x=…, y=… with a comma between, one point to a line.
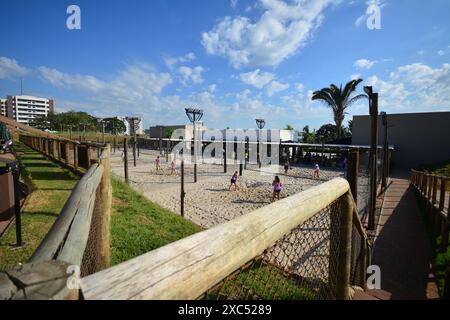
x=21, y=87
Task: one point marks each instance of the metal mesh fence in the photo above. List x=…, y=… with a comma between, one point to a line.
x=302, y=265
x=92, y=259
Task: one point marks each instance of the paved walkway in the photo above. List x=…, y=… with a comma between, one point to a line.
x=402, y=248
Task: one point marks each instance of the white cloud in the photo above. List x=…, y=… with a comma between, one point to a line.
x=257, y=78
x=193, y=75
x=212, y=88
x=171, y=62
x=233, y=4
x=280, y=32
x=10, y=68
x=364, y=64
x=441, y=53
x=421, y=52
x=275, y=87
x=414, y=87
x=355, y=76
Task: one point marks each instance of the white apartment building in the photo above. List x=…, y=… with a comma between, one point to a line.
x=3, y=107
x=25, y=108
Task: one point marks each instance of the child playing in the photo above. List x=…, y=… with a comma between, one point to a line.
x=158, y=163
x=234, y=181
x=276, y=188
x=286, y=167
x=316, y=171
x=173, y=165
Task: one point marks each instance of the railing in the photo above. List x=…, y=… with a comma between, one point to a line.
x=76, y=155
x=308, y=246
x=77, y=242
x=433, y=193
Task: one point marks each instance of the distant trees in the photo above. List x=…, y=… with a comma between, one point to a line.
x=114, y=125
x=78, y=121
x=307, y=136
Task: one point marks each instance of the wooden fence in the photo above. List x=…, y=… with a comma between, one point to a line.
x=433, y=193
x=79, y=239
x=73, y=154
x=192, y=267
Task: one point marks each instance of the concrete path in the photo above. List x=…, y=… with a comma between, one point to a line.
x=402, y=247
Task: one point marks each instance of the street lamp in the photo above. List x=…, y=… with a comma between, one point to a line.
x=194, y=116
x=260, y=123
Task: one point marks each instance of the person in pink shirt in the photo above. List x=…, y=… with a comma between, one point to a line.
x=158, y=163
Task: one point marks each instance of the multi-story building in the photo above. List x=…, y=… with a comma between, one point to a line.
x=128, y=131
x=23, y=109
x=3, y=107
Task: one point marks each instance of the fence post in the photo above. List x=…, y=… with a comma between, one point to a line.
x=67, y=150
x=434, y=211
x=224, y=157
x=345, y=247
x=352, y=173
x=104, y=201
x=444, y=222
x=125, y=160
x=75, y=155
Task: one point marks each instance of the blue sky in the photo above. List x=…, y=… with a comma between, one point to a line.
x=236, y=59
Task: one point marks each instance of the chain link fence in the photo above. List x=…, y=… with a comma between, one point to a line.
x=302, y=265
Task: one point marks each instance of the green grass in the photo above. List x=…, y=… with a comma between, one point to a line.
x=262, y=281
x=52, y=186
x=441, y=260
x=139, y=226
x=442, y=169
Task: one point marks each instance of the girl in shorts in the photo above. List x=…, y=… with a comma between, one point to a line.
x=234, y=181
x=276, y=188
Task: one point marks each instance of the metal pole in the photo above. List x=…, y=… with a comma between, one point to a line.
x=182, y=193
x=125, y=160
x=15, y=173
x=134, y=150
x=373, y=159
x=195, y=152
x=103, y=132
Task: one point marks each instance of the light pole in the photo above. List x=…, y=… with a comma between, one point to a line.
x=373, y=110
x=194, y=116
x=260, y=123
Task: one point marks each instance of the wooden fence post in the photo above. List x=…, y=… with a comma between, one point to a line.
x=75, y=155
x=444, y=222
x=345, y=247
x=104, y=200
x=352, y=173
x=67, y=150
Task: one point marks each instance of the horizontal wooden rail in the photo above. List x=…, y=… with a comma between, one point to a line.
x=68, y=236
x=189, y=267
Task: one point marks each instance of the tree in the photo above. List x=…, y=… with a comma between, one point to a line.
x=114, y=125
x=339, y=99
x=289, y=127
x=326, y=133
x=350, y=126
x=307, y=136
x=169, y=132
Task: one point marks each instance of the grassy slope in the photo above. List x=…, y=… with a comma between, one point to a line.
x=52, y=185
x=139, y=226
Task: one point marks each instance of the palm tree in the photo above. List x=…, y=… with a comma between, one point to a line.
x=339, y=100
